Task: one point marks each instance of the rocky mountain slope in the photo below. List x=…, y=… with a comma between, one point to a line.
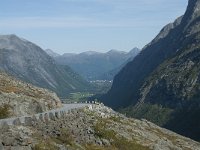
x=162, y=83
x=30, y=63
x=95, y=127
x=18, y=98
x=96, y=66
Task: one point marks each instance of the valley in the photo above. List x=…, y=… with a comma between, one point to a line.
x=141, y=99
x=77, y=97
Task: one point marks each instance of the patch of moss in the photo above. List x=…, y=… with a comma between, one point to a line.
x=100, y=131
x=64, y=138
x=97, y=147
x=124, y=144
x=45, y=145
x=116, y=119
x=117, y=142
x=4, y=111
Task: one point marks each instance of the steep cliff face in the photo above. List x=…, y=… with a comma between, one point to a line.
x=177, y=78
x=170, y=41
x=127, y=82
x=18, y=98
x=175, y=84
x=30, y=63
x=162, y=83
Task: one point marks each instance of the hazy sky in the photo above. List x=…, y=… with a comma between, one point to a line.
x=83, y=25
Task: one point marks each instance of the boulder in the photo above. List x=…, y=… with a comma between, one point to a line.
x=28, y=121
x=46, y=117
x=17, y=122
x=57, y=115
x=41, y=118
x=51, y=116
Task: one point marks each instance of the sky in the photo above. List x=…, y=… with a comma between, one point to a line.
x=74, y=26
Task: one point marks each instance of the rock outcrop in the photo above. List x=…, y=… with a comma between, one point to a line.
x=18, y=98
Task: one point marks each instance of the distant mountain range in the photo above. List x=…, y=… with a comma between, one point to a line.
x=162, y=83
x=30, y=63
x=94, y=65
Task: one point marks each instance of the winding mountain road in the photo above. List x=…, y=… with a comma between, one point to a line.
x=65, y=108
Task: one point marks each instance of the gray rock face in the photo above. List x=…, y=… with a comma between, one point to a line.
x=24, y=99
x=30, y=63
x=17, y=122
x=28, y=121
x=9, y=141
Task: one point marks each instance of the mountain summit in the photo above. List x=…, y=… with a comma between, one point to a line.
x=162, y=83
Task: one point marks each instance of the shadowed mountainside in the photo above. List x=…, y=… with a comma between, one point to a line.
x=162, y=83
x=30, y=63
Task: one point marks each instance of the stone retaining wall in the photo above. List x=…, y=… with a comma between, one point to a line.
x=44, y=117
